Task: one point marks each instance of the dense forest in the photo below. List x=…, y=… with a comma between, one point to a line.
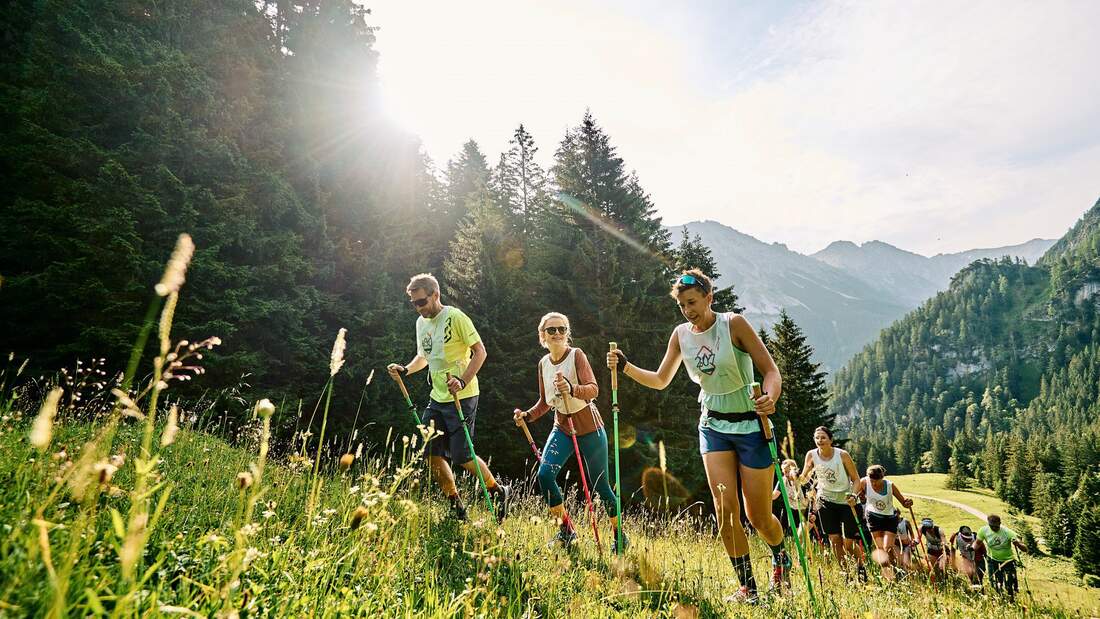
x=998, y=380
x=256, y=128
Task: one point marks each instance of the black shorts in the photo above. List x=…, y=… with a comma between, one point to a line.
x=837, y=519
x=452, y=443
x=878, y=522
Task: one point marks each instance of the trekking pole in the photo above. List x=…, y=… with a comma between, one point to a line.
x=580, y=465
x=408, y=400
x=765, y=428
x=920, y=539
x=615, y=427
x=859, y=526
x=1023, y=574
x=470, y=444
x=530, y=440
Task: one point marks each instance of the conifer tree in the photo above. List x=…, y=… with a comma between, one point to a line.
x=957, y=478
x=941, y=452
x=805, y=397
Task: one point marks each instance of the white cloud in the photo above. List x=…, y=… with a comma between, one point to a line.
x=933, y=126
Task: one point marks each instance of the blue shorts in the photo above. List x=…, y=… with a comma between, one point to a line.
x=752, y=450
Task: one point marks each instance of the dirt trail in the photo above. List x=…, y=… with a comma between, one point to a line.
x=963, y=506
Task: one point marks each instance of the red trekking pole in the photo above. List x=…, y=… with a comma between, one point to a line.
x=580, y=465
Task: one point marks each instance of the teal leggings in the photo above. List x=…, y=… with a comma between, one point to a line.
x=558, y=450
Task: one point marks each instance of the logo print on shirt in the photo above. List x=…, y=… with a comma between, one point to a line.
x=704, y=360
x=426, y=343
x=830, y=476
x=447, y=331
x=880, y=505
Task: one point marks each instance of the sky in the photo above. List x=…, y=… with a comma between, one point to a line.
x=933, y=126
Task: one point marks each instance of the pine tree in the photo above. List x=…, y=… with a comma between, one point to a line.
x=957, y=478
x=1020, y=476
x=804, y=401
x=692, y=253
x=1086, y=552
x=520, y=185
x=941, y=452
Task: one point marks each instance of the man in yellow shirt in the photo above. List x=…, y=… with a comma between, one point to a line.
x=448, y=345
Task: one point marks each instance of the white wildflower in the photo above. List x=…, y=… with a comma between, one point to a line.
x=264, y=408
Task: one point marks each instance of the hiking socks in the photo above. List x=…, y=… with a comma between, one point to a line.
x=743, y=567
x=777, y=552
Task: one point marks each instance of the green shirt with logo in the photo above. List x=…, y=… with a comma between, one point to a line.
x=998, y=542
x=445, y=341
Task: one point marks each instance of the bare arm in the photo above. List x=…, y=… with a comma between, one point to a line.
x=850, y=469
x=743, y=336
x=900, y=497
x=807, y=468
x=654, y=380
x=418, y=363
x=476, y=362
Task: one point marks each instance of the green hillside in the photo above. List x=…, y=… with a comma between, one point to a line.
x=998, y=378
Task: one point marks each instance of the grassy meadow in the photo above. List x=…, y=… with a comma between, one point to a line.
x=115, y=505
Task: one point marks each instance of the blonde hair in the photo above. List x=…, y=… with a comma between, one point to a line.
x=423, y=281
x=542, y=324
x=788, y=463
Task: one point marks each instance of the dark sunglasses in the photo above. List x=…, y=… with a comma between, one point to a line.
x=556, y=330
x=419, y=302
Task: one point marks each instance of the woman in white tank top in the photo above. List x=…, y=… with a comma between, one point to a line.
x=837, y=481
x=878, y=496
x=719, y=352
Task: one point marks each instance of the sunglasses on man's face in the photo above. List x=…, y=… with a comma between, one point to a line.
x=555, y=330
x=419, y=302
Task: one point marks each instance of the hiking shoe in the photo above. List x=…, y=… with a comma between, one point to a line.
x=501, y=500
x=458, y=510
x=615, y=543
x=564, y=538
x=744, y=595
x=861, y=573
x=781, y=572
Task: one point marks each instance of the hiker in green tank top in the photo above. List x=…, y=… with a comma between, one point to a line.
x=719, y=351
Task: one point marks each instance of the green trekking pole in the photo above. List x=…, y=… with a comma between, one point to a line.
x=767, y=430
x=473, y=454
x=408, y=400
x=615, y=427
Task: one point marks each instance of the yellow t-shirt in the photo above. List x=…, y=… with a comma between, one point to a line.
x=445, y=341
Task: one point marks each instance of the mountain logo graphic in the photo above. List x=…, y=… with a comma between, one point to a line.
x=704, y=360
x=830, y=476
x=426, y=343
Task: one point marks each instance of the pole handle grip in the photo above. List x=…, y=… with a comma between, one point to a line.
x=765, y=427
x=401, y=385
x=458, y=404
x=614, y=373
x=526, y=431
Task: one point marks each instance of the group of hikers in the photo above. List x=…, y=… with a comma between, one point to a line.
x=720, y=352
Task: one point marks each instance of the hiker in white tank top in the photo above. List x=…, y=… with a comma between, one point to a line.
x=878, y=496
x=719, y=352
x=837, y=482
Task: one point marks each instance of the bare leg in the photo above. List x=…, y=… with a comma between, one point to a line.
x=441, y=472
x=756, y=485
x=721, y=467
x=490, y=481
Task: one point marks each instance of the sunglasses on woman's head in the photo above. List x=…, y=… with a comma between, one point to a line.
x=688, y=280
x=555, y=330
x=419, y=302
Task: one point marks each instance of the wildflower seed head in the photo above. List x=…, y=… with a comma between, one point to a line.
x=338, y=347
x=244, y=480
x=171, y=427
x=264, y=408
x=346, y=461
x=358, y=515
x=176, y=269
x=104, y=471
x=42, y=429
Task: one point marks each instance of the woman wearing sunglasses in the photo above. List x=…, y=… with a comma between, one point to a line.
x=719, y=351
x=568, y=386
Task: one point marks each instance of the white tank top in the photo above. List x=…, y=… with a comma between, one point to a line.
x=832, y=480
x=881, y=504
x=712, y=361
x=568, y=369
